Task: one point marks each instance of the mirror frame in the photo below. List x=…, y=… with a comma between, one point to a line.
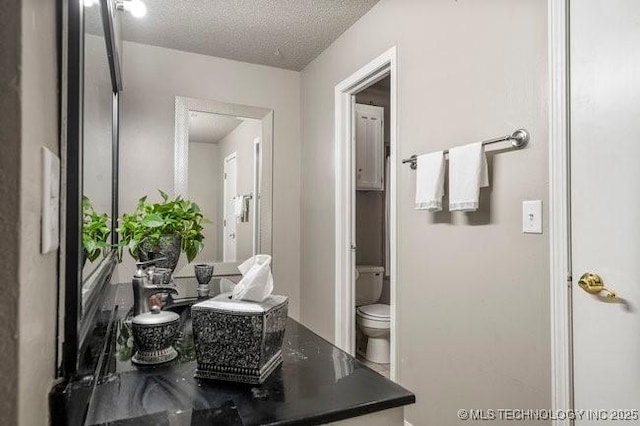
x=181, y=170
x=79, y=321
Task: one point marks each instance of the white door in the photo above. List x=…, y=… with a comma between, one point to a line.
x=229, y=194
x=369, y=147
x=605, y=206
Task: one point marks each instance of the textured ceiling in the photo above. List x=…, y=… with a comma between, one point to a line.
x=206, y=127
x=279, y=33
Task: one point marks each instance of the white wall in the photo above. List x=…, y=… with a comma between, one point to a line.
x=153, y=76
x=473, y=300
x=38, y=273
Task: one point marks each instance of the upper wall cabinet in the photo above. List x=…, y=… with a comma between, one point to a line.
x=369, y=148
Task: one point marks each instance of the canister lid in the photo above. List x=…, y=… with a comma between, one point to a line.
x=155, y=317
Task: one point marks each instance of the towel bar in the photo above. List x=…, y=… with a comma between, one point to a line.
x=519, y=139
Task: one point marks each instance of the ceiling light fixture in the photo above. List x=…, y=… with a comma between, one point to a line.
x=135, y=7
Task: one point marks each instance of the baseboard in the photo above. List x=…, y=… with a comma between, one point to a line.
x=406, y=423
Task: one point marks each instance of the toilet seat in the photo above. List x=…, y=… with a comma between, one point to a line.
x=377, y=312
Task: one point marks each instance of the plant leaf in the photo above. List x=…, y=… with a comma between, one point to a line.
x=152, y=221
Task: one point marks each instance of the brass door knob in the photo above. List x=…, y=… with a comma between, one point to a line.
x=592, y=283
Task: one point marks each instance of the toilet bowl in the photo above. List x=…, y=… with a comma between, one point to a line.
x=375, y=323
x=372, y=318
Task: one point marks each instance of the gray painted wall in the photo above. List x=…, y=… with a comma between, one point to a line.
x=153, y=76
x=204, y=176
x=10, y=116
x=98, y=132
x=38, y=273
x=473, y=293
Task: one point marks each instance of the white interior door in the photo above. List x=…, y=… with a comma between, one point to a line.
x=230, y=193
x=605, y=206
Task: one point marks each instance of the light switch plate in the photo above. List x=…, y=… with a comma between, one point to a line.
x=50, y=228
x=532, y=217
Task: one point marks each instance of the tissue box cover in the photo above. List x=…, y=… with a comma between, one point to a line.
x=238, y=340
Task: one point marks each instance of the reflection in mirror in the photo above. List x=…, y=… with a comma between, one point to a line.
x=90, y=82
x=223, y=163
x=97, y=146
x=224, y=175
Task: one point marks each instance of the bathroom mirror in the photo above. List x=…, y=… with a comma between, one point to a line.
x=97, y=143
x=223, y=157
x=90, y=156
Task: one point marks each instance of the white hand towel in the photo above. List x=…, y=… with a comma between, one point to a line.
x=430, y=181
x=467, y=174
x=238, y=208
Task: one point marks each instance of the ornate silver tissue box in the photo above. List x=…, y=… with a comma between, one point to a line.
x=237, y=340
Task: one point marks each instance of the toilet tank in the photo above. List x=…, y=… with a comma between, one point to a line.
x=368, y=284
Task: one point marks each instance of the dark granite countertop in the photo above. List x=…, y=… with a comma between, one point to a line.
x=317, y=383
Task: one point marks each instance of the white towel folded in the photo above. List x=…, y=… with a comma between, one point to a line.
x=467, y=174
x=238, y=207
x=430, y=181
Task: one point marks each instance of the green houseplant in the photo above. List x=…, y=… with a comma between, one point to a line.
x=95, y=231
x=159, y=227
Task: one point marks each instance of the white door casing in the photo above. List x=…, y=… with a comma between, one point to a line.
x=257, y=178
x=605, y=220
x=559, y=212
x=229, y=194
x=382, y=66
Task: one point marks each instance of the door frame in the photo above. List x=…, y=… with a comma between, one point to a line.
x=382, y=66
x=560, y=209
x=255, y=196
x=232, y=156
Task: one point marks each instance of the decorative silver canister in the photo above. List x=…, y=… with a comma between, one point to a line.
x=153, y=333
x=204, y=272
x=237, y=340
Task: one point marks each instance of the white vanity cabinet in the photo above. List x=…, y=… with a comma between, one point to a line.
x=369, y=135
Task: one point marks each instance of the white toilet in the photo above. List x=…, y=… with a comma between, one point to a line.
x=373, y=319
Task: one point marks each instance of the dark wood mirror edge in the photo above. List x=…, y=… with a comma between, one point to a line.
x=77, y=325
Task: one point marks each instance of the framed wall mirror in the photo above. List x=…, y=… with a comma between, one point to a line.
x=223, y=162
x=91, y=157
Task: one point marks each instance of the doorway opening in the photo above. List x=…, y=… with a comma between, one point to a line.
x=366, y=214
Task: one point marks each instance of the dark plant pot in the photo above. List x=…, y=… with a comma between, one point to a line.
x=168, y=246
